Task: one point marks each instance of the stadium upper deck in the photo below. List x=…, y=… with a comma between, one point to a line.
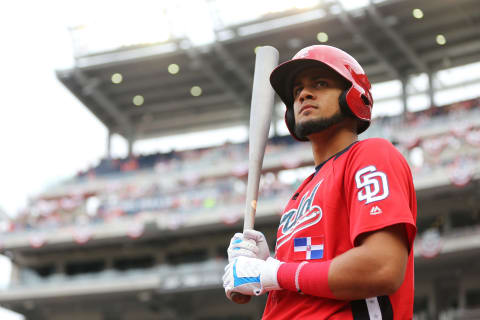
x=384, y=36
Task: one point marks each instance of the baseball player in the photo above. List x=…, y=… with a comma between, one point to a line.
x=344, y=247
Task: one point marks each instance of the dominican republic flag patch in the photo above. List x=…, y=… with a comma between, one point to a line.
x=308, y=248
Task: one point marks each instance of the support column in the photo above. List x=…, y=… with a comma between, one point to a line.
x=108, y=150
x=404, y=82
x=15, y=273
x=431, y=89
x=130, y=141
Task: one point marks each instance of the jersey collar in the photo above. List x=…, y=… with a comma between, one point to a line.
x=335, y=156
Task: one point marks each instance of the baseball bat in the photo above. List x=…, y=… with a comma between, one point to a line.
x=260, y=118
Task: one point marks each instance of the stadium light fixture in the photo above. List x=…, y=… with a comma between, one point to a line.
x=117, y=78
x=417, y=13
x=173, y=68
x=322, y=37
x=196, y=91
x=138, y=100
x=441, y=40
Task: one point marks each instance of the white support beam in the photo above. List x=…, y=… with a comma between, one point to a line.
x=237, y=68
x=404, y=96
x=396, y=38
x=196, y=56
x=108, y=151
x=369, y=45
x=431, y=89
x=90, y=88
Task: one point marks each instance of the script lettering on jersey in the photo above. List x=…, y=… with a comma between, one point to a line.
x=306, y=215
x=372, y=184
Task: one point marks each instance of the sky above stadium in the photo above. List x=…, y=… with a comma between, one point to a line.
x=45, y=133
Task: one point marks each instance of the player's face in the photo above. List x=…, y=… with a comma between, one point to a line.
x=316, y=107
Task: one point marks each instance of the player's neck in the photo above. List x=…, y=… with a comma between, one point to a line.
x=327, y=143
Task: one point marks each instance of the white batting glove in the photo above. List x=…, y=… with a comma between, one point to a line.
x=262, y=245
x=251, y=244
x=250, y=276
x=241, y=247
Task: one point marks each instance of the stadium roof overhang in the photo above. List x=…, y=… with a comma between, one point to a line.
x=384, y=37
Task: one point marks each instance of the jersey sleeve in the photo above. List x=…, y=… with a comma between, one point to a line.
x=379, y=189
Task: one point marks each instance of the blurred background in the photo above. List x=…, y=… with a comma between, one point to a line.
x=125, y=125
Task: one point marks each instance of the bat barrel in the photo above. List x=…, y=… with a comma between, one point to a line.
x=260, y=118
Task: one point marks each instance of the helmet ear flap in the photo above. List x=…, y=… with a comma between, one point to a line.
x=290, y=121
x=347, y=111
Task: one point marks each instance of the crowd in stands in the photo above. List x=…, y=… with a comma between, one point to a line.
x=176, y=160
x=192, y=194
x=130, y=199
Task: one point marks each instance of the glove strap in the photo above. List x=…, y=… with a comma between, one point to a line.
x=268, y=275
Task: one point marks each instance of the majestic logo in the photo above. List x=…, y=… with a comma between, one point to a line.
x=375, y=210
x=372, y=184
x=306, y=215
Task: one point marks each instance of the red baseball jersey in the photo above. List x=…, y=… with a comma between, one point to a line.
x=366, y=187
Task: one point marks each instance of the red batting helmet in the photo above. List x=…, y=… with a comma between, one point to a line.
x=356, y=97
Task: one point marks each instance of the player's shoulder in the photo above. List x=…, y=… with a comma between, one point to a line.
x=377, y=148
x=374, y=143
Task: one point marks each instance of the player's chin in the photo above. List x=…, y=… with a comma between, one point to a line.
x=304, y=122
x=307, y=115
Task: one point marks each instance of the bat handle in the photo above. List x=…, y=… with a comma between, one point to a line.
x=240, y=298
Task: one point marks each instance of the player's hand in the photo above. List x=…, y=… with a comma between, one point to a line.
x=262, y=245
x=241, y=247
x=250, y=276
x=251, y=244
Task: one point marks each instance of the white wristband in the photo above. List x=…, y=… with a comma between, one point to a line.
x=297, y=275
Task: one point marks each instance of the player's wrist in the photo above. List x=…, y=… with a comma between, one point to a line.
x=268, y=275
x=306, y=277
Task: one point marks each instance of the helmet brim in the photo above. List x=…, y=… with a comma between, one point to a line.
x=282, y=77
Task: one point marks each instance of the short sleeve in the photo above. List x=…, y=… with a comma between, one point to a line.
x=379, y=189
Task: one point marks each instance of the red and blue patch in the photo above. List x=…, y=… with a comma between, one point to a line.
x=308, y=248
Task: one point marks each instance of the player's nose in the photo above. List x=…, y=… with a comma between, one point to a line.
x=306, y=94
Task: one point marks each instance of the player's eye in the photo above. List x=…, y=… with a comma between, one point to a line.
x=321, y=83
x=297, y=90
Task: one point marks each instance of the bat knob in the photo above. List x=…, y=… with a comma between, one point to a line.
x=240, y=298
